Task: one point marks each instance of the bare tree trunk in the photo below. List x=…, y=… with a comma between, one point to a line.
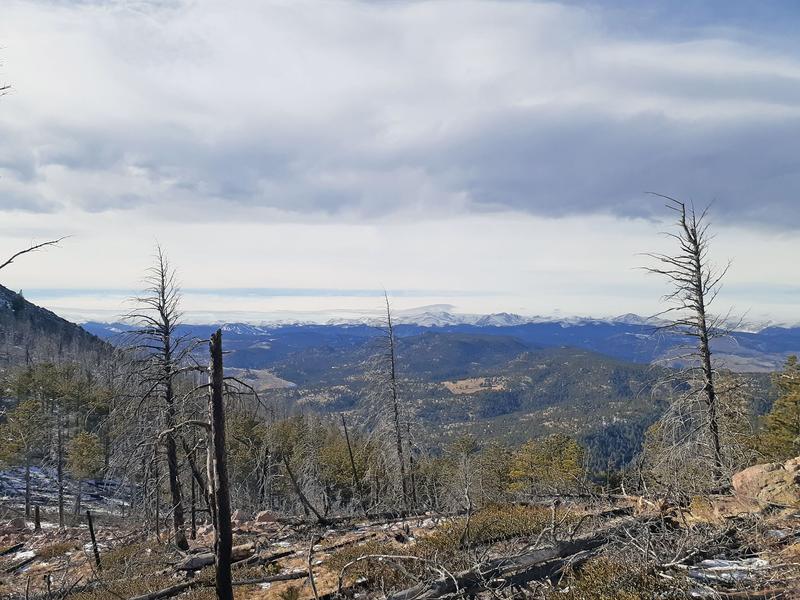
x=696, y=284
x=411, y=471
x=94, y=541
x=197, y=476
x=27, y=486
x=392, y=357
x=158, y=317
x=223, y=537
x=60, y=473
x=178, y=522
x=77, y=508
x=356, y=480
x=193, y=529
x=264, y=478
x=157, y=508
x=705, y=352
x=304, y=501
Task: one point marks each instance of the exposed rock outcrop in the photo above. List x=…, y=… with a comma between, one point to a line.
x=774, y=483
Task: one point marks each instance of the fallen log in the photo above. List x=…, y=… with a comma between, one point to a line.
x=273, y=578
x=352, y=542
x=258, y=559
x=20, y=564
x=173, y=590
x=187, y=585
x=198, y=561
x=533, y=563
x=12, y=549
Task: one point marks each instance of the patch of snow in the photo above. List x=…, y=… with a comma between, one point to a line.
x=727, y=571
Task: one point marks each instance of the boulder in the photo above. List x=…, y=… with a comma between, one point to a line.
x=266, y=516
x=775, y=483
x=717, y=509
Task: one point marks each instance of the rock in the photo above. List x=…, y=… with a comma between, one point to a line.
x=777, y=483
x=716, y=509
x=240, y=515
x=266, y=516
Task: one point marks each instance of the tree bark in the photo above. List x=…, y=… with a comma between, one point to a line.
x=178, y=521
x=303, y=500
x=27, y=486
x=223, y=537
x=94, y=541
x=60, y=473
x=356, y=480
x=396, y=402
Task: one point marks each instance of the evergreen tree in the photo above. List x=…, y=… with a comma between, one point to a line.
x=84, y=460
x=551, y=464
x=780, y=438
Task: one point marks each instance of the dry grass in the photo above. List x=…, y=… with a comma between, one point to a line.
x=443, y=547
x=57, y=549
x=606, y=578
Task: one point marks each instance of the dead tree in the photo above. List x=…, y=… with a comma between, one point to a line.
x=33, y=248
x=160, y=353
x=223, y=537
x=60, y=468
x=695, y=284
x=356, y=479
x=389, y=392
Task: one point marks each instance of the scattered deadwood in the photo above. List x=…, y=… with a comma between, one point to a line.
x=771, y=594
x=273, y=578
x=198, y=561
x=346, y=543
x=12, y=549
x=314, y=541
x=20, y=564
x=528, y=566
x=187, y=585
x=258, y=559
x=172, y=590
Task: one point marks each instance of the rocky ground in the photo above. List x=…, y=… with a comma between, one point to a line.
x=742, y=545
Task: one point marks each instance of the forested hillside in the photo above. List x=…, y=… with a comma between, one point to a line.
x=31, y=334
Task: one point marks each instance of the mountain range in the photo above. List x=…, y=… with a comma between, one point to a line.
x=498, y=376
x=629, y=337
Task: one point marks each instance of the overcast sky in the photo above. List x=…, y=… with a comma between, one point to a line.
x=294, y=155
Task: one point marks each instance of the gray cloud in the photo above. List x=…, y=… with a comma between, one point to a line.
x=361, y=111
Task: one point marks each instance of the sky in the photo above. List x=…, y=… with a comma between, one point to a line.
x=298, y=157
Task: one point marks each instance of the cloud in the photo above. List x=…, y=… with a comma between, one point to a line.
x=359, y=111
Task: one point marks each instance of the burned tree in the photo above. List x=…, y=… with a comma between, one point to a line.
x=33, y=248
x=218, y=473
x=391, y=363
x=161, y=352
x=695, y=283
x=384, y=393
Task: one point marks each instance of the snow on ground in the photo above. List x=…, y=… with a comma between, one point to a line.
x=97, y=495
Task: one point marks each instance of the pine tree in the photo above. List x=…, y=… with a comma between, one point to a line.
x=780, y=438
x=551, y=464
x=21, y=438
x=84, y=460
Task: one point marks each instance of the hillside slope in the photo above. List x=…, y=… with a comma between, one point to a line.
x=29, y=333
